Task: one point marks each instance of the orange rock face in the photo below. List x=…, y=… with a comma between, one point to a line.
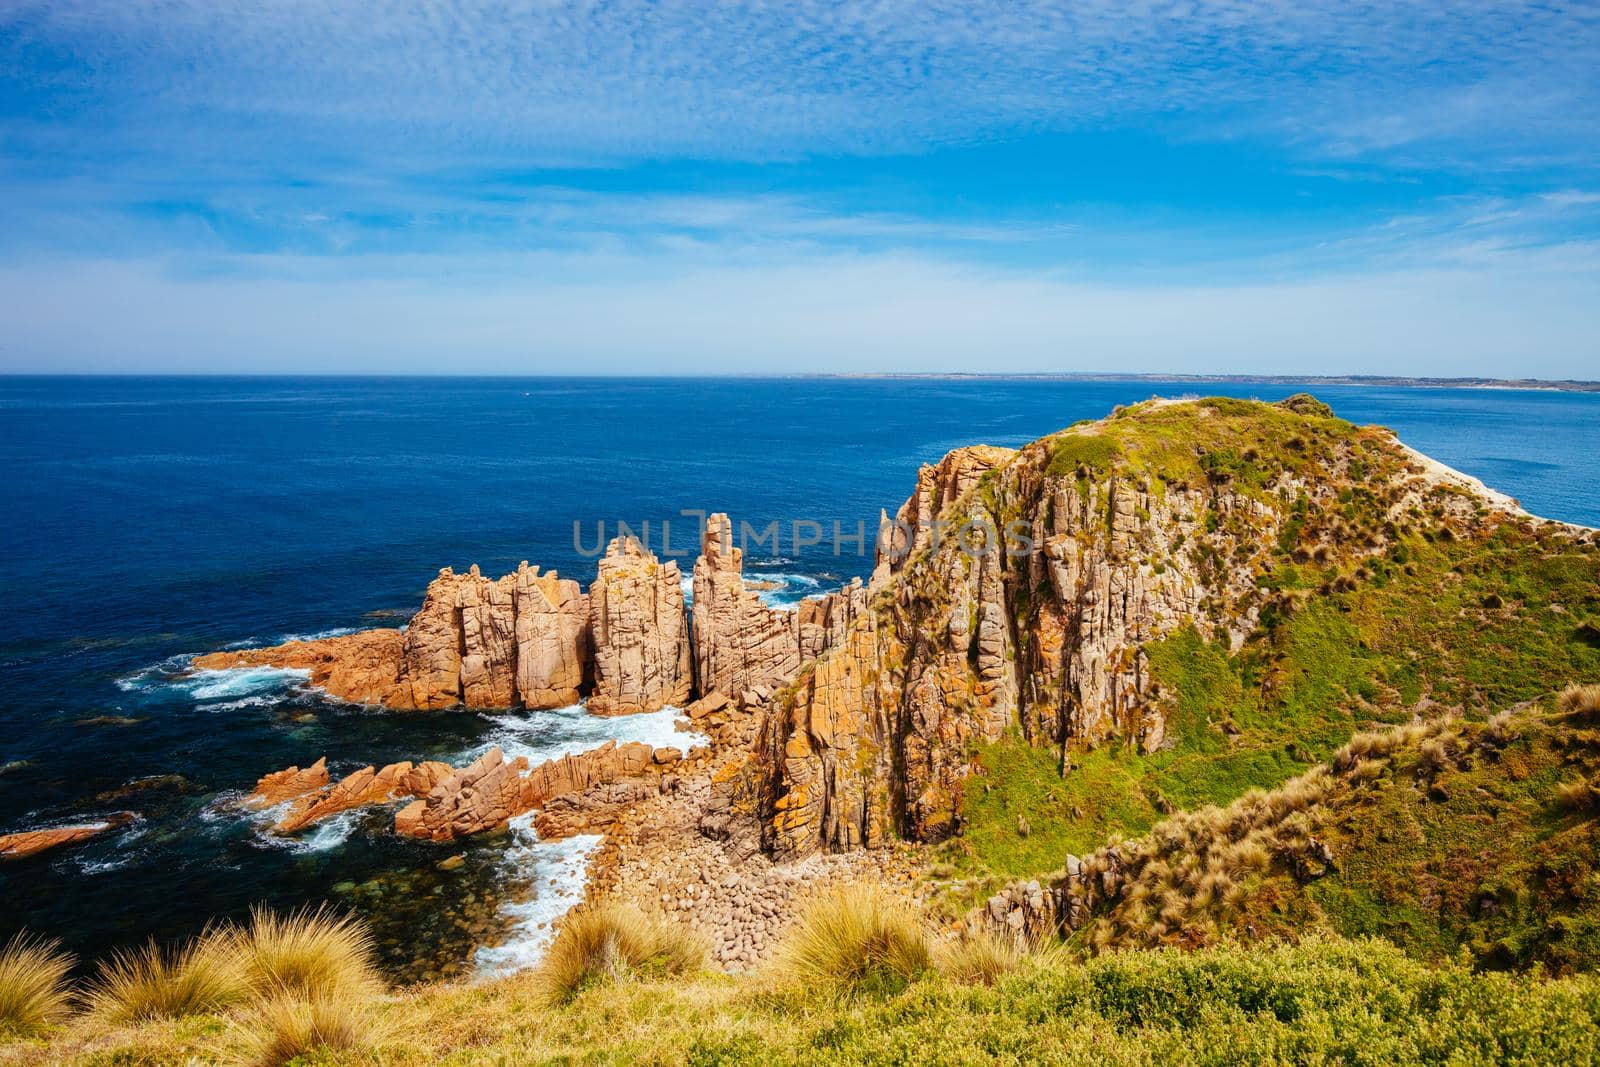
x=366, y=786
x=639, y=633
x=475, y=642
x=32, y=842
x=363, y=668
x=287, y=784
x=492, y=790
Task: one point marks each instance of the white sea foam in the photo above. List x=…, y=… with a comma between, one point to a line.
x=326, y=834
x=319, y=635
x=235, y=682
x=229, y=684
x=546, y=735
x=791, y=589
x=260, y=700
x=558, y=870
x=154, y=676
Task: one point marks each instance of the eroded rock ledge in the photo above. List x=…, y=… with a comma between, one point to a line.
x=451, y=802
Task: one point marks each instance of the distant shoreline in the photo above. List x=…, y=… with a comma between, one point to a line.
x=1552, y=385
x=1565, y=385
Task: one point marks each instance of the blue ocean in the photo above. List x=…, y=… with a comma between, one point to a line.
x=150, y=519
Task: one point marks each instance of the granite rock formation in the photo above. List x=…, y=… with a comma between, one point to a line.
x=366, y=786
x=539, y=641
x=639, y=632
x=363, y=667
x=32, y=842
x=475, y=642
x=287, y=784
x=740, y=644
x=492, y=790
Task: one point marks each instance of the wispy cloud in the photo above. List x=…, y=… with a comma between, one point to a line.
x=630, y=79
x=526, y=185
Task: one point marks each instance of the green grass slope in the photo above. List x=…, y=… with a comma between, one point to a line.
x=1452, y=838
x=1449, y=616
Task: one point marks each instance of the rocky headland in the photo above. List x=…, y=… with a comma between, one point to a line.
x=1044, y=604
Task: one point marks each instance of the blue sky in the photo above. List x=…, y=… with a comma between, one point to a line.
x=629, y=187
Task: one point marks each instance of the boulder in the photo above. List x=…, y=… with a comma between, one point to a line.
x=366, y=786
x=363, y=668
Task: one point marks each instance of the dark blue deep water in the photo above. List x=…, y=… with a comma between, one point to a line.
x=150, y=519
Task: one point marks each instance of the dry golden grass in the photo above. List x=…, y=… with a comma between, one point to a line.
x=608, y=941
x=313, y=953
x=1581, y=702
x=1501, y=729
x=854, y=938
x=979, y=959
x=285, y=1028
x=33, y=985
x=153, y=982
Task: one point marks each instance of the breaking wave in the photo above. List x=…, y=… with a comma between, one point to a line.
x=558, y=871
x=546, y=735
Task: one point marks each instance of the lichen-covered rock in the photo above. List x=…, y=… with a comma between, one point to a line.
x=922, y=519
x=639, y=633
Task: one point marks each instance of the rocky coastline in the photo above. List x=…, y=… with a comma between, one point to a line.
x=841, y=732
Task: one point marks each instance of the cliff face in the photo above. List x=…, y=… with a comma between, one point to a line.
x=1037, y=580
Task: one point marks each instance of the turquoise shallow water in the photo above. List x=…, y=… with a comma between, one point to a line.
x=150, y=519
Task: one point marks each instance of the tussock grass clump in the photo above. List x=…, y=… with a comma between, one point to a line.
x=154, y=982
x=855, y=939
x=33, y=985
x=982, y=958
x=288, y=1029
x=1582, y=702
x=608, y=941
x=1579, y=795
x=1501, y=729
x=309, y=953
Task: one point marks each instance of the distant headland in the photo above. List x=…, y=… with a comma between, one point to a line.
x=1566, y=385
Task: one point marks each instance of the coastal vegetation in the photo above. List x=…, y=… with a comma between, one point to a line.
x=607, y=942
x=33, y=985
x=1319, y=1000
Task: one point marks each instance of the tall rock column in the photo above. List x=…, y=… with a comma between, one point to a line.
x=552, y=638
x=739, y=642
x=431, y=653
x=638, y=631
x=488, y=616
